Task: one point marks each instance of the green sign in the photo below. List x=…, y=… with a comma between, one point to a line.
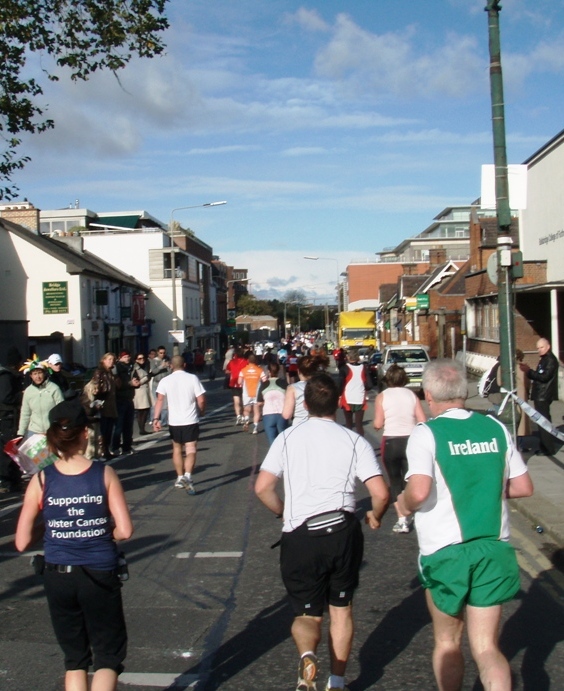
x=56, y=297
x=423, y=301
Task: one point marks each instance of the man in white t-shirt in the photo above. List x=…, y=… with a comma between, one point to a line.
x=322, y=540
x=461, y=468
x=186, y=401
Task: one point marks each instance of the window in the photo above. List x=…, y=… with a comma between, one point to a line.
x=486, y=320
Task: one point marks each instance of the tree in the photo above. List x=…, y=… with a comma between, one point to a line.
x=298, y=297
x=248, y=304
x=81, y=36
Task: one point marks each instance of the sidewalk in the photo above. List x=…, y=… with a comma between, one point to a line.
x=546, y=507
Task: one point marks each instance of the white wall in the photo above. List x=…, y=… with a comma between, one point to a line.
x=542, y=222
x=129, y=252
x=39, y=267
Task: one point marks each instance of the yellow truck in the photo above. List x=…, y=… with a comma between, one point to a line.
x=357, y=329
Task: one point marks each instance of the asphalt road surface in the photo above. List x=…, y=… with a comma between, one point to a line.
x=205, y=606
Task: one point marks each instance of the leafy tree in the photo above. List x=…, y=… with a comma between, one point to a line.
x=248, y=304
x=81, y=36
x=298, y=297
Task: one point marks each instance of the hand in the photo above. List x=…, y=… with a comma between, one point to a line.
x=524, y=367
x=157, y=425
x=371, y=520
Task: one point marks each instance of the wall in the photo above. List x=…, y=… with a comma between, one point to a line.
x=542, y=222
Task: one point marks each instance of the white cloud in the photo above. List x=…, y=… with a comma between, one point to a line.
x=309, y=20
x=392, y=63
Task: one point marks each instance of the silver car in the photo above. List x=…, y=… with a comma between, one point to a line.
x=413, y=359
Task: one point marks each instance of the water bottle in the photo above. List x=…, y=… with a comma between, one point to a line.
x=122, y=569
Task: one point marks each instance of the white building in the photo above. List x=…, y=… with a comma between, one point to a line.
x=73, y=302
x=140, y=245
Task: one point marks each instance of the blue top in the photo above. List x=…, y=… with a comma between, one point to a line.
x=78, y=525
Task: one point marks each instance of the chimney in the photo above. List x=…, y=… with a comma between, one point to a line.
x=437, y=256
x=23, y=214
x=409, y=269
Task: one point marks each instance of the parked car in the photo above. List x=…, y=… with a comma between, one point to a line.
x=364, y=353
x=413, y=358
x=375, y=360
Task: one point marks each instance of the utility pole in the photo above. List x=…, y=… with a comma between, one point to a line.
x=504, y=241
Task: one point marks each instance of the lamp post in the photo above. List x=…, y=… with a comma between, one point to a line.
x=331, y=259
x=171, y=235
x=503, y=210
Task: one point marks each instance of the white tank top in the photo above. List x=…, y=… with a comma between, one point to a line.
x=399, y=411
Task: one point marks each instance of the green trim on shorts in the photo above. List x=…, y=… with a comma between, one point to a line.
x=480, y=573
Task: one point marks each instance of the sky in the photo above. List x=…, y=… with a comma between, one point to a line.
x=331, y=129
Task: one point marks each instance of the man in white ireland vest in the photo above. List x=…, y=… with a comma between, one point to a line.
x=462, y=468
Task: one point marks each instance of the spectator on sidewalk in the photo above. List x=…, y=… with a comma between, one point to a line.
x=142, y=397
x=462, y=467
x=544, y=390
x=126, y=383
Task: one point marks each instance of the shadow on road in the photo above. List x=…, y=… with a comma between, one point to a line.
x=390, y=638
x=267, y=630
x=531, y=630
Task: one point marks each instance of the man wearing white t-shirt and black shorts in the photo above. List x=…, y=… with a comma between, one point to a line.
x=322, y=541
x=186, y=403
x=461, y=468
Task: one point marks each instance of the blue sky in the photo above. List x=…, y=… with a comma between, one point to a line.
x=332, y=129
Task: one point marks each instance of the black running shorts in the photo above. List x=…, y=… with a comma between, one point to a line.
x=321, y=569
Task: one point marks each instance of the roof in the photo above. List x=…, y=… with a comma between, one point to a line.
x=438, y=275
x=456, y=284
x=76, y=262
x=118, y=221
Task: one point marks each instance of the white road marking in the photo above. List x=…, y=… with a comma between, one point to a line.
x=209, y=555
x=159, y=680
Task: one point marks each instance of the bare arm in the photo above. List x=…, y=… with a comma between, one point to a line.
x=28, y=531
x=118, y=506
x=157, y=411
x=419, y=412
x=289, y=404
x=265, y=489
x=379, y=411
x=380, y=496
x=201, y=403
x=521, y=486
x=417, y=490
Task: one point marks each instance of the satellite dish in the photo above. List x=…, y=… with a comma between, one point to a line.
x=491, y=268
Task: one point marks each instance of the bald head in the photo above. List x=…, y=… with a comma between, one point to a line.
x=543, y=346
x=177, y=362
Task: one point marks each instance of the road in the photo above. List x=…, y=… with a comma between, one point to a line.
x=205, y=606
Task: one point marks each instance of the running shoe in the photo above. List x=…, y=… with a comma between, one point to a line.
x=255, y=429
x=307, y=673
x=239, y=420
x=189, y=486
x=181, y=483
x=245, y=424
x=336, y=688
x=402, y=526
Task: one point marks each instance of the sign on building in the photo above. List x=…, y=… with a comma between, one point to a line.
x=56, y=297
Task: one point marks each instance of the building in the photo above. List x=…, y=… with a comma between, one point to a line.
x=173, y=262
x=62, y=298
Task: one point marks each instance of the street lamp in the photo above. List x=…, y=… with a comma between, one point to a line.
x=171, y=235
x=331, y=259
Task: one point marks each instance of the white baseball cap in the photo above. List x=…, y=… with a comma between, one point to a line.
x=54, y=359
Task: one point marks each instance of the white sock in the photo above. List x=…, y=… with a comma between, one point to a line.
x=180, y=477
x=188, y=476
x=336, y=682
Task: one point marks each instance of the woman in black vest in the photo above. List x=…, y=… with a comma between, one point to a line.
x=84, y=513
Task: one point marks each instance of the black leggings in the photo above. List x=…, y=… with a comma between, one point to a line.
x=394, y=458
